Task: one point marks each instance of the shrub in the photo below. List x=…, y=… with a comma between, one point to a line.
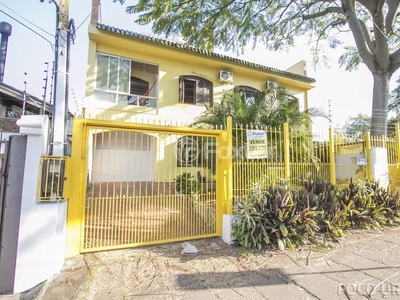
x=270, y=217
x=185, y=185
x=285, y=217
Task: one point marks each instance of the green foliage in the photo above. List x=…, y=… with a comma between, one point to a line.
x=323, y=195
x=369, y=205
x=285, y=217
x=391, y=127
x=270, y=216
x=394, y=99
x=233, y=25
x=350, y=59
x=358, y=126
x=186, y=185
x=270, y=108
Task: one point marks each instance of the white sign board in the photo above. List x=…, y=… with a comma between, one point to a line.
x=362, y=161
x=256, y=144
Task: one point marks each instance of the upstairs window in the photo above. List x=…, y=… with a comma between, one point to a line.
x=295, y=102
x=249, y=94
x=122, y=81
x=195, y=90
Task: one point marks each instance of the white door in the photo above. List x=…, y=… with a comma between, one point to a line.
x=123, y=157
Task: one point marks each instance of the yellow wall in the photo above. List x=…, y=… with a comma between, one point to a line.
x=172, y=63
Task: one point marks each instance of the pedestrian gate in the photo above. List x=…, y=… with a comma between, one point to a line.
x=144, y=184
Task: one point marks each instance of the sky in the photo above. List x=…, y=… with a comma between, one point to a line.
x=343, y=94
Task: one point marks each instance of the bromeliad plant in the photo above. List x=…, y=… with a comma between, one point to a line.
x=185, y=184
x=371, y=206
x=333, y=218
x=270, y=217
x=285, y=217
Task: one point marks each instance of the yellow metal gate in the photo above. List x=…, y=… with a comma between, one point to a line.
x=147, y=184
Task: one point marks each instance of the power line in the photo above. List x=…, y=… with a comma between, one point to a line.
x=28, y=20
x=51, y=44
x=85, y=20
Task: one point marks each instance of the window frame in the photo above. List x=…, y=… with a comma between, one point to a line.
x=200, y=83
x=115, y=93
x=246, y=89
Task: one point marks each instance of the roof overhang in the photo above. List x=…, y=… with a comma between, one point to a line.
x=125, y=39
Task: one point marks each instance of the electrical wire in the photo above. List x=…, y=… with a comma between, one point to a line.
x=51, y=44
x=79, y=26
x=27, y=20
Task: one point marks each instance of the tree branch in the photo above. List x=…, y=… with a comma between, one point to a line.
x=358, y=34
x=381, y=38
x=393, y=6
x=282, y=14
x=328, y=10
x=218, y=11
x=368, y=38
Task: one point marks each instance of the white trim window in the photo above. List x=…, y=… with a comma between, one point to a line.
x=123, y=81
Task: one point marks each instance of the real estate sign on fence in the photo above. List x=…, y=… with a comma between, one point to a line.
x=256, y=144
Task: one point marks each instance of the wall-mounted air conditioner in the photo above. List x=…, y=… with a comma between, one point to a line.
x=225, y=76
x=271, y=85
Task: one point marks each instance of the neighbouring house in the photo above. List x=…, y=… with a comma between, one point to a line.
x=14, y=104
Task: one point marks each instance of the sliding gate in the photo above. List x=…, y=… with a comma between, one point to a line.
x=148, y=184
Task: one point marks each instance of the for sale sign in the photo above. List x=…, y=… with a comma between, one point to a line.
x=256, y=144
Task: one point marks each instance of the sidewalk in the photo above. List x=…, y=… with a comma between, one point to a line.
x=365, y=265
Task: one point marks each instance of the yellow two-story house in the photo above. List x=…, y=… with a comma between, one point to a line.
x=145, y=177
x=136, y=76
x=139, y=78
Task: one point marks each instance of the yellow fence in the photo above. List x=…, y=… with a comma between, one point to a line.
x=138, y=184
x=293, y=155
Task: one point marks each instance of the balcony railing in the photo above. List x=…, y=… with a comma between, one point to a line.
x=126, y=99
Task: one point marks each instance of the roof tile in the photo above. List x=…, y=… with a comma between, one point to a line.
x=200, y=51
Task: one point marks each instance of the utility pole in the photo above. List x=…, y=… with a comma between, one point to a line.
x=61, y=80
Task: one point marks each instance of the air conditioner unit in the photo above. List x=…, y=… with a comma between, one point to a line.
x=225, y=76
x=271, y=85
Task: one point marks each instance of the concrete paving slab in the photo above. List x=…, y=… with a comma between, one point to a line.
x=239, y=293
x=317, y=285
x=161, y=272
x=378, y=244
x=395, y=250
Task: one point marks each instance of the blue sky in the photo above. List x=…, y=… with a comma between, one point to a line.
x=350, y=92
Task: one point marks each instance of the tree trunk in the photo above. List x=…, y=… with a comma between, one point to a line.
x=380, y=104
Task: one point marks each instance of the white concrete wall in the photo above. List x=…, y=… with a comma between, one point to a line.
x=380, y=169
x=345, y=169
x=41, y=240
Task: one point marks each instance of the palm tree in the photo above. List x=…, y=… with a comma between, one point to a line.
x=266, y=110
x=271, y=108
